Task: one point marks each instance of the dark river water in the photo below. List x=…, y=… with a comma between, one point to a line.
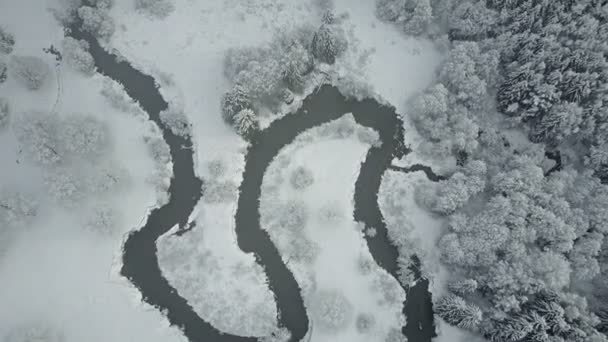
x=140, y=263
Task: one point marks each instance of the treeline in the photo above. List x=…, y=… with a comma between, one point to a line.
x=527, y=247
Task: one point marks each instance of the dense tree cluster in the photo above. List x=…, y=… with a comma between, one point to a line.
x=265, y=77
x=3, y=71
x=413, y=16
x=177, y=121
x=5, y=113
x=76, y=54
x=96, y=19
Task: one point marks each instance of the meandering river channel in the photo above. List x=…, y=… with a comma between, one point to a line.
x=140, y=263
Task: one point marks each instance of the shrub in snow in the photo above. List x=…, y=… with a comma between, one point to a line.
x=177, y=121
x=65, y=187
x=97, y=21
x=412, y=15
x=371, y=232
x=245, y=122
x=5, y=114
x=455, y=311
x=395, y=335
x=365, y=322
x=328, y=43
x=301, y=178
x=237, y=59
x=37, y=135
x=159, y=149
x=345, y=127
x=332, y=311
x=76, y=54
x=156, y=8
x=302, y=249
x=30, y=71
x=16, y=209
x=365, y=264
x=84, y=136
x=102, y=220
x=33, y=332
x=219, y=192
x=297, y=62
x=369, y=136
x=388, y=287
x=280, y=335
x=7, y=41
x=102, y=4
x=3, y=71
x=331, y=212
x=293, y=215
x=107, y=179
x=216, y=168
x=233, y=102
x=463, y=287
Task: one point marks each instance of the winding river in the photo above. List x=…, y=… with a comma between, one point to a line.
x=140, y=264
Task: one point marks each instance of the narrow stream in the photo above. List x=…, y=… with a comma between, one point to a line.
x=140, y=264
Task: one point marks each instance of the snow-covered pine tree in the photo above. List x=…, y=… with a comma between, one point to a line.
x=5, y=114
x=3, y=69
x=328, y=43
x=7, y=41
x=245, y=122
x=30, y=71
x=454, y=310
x=463, y=287
x=233, y=102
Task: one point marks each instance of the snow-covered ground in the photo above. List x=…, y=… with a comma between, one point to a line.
x=55, y=273
x=310, y=220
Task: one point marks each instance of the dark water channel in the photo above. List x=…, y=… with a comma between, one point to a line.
x=140, y=264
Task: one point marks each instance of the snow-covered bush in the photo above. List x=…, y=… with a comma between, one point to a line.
x=102, y=220
x=216, y=168
x=331, y=212
x=65, y=187
x=262, y=80
x=7, y=41
x=5, y=113
x=177, y=121
x=219, y=192
x=33, y=332
x=280, y=335
x=37, y=133
x=156, y=8
x=395, y=335
x=365, y=264
x=76, y=54
x=245, y=122
x=301, y=178
x=332, y=310
x=102, y=4
x=328, y=43
x=365, y=322
x=293, y=215
x=3, y=71
x=302, y=249
x=97, y=21
x=84, y=136
x=371, y=232
x=234, y=102
x=107, y=179
x=388, y=287
x=456, y=311
x=16, y=209
x=30, y=71
x=159, y=150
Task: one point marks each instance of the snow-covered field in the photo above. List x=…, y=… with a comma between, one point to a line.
x=56, y=274
x=307, y=208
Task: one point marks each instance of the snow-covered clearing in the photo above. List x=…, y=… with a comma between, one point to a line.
x=307, y=208
x=55, y=273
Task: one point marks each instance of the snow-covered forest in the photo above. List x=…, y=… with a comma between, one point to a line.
x=506, y=101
